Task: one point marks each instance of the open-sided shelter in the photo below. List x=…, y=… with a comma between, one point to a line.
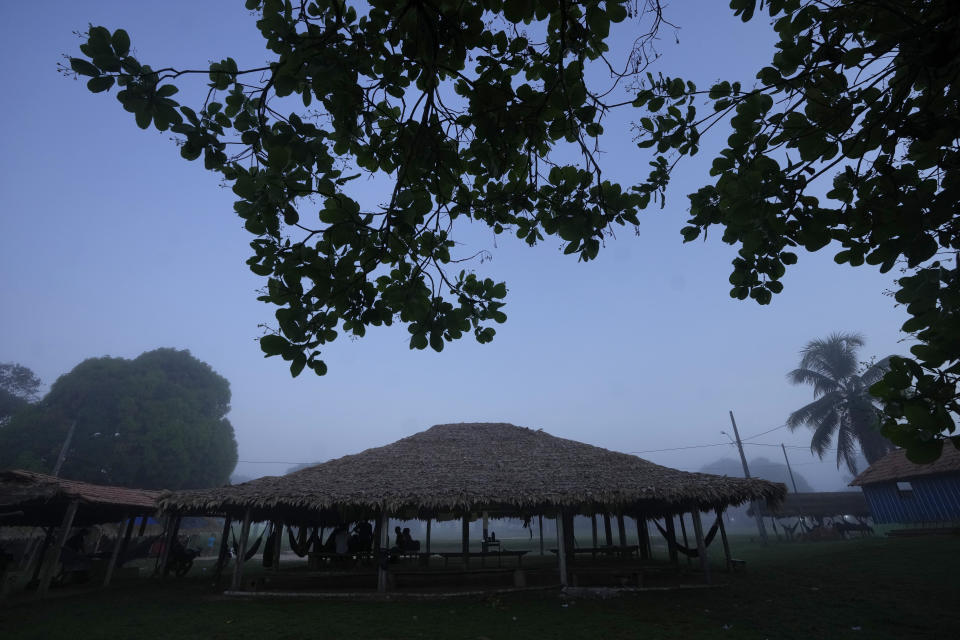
x=817, y=505
x=901, y=491
x=468, y=469
x=34, y=499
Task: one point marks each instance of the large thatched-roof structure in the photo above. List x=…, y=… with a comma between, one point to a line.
x=459, y=470
x=462, y=468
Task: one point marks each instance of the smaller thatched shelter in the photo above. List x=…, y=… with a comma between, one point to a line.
x=34, y=499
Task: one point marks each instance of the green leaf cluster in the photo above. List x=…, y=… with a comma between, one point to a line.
x=451, y=100
x=865, y=97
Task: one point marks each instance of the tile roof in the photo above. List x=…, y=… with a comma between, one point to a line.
x=17, y=485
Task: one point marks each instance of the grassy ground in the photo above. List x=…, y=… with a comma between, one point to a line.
x=868, y=588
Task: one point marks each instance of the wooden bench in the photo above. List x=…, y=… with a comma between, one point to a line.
x=483, y=555
x=737, y=564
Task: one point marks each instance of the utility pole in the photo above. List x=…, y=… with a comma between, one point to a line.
x=63, y=449
x=788, y=468
x=746, y=473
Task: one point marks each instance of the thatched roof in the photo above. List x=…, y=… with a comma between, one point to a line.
x=41, y=499
x=895, y=466
x=464, y=468
x=818, y=505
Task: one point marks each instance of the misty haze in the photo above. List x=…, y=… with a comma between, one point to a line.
x=480, y=319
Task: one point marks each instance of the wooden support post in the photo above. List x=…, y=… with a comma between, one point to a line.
x=277, y=543
x=96, y=543
x=52, y=557
x=41, y=554
x=123, y=531
x=672, y=541
x=32, y=545
x=224, y=548
x=173, y=529
x=486, y=534
x=607, y=530
x=143, y=526
x=593, y=533
x=540, y=518
x=643, y=537
x=561, y=549
x=241, y=552
x=701, y=547
x=723, y=538
x=383, y=558
x=465, y=538
x=621, y=529
x=428, y=534
x=683, y=530
x=126, y=538
x=569, y=539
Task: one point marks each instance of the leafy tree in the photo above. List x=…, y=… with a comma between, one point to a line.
x=157, y=421
x=460, y=104
x=19, y=387
x=843, y=407
x=862, y=96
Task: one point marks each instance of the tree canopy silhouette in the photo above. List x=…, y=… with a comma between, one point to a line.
x=157, y=421
x=463, y=107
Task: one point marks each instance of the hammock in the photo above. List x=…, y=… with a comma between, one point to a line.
x=302, y=543
x=690, y=553
x=252, y=551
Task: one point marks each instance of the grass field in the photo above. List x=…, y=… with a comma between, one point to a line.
x=867, y=588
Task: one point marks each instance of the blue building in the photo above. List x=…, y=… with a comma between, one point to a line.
x=900, y=491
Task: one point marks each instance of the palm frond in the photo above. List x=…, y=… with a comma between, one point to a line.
x=823, y=433
x=847, y=445
x=835, y=357
x=875, y=371
x=815, y=412
x=821, y=383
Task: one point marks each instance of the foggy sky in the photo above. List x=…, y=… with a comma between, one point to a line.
x=111, y=244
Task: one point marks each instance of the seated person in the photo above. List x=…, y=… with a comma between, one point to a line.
x=407, y=543
x=364, y=533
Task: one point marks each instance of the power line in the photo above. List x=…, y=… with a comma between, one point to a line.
x=762, y=433
x=693, y=446
x=788, y=446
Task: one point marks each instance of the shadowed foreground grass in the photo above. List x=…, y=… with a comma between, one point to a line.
x=869, y=588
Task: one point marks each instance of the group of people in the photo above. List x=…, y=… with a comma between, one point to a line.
x=341, y=541
x=404, y=542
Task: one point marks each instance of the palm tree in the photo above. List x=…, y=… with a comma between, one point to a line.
x=843, y=405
